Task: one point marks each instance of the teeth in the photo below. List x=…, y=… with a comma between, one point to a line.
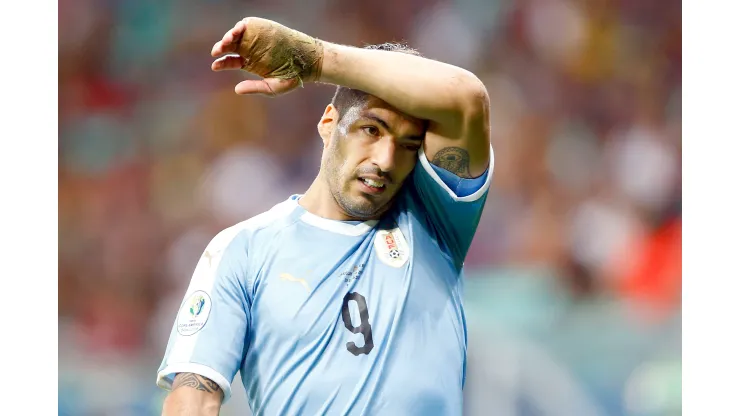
x=370, y=182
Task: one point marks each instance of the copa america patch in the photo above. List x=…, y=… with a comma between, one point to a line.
x=391, y=247
x=194, y=313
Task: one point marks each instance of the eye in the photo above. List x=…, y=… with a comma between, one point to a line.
x=412, y=147
x=371, y=131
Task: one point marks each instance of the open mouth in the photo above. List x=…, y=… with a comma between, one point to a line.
x=370, y=186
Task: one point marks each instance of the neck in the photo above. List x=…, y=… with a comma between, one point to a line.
x=319, y=201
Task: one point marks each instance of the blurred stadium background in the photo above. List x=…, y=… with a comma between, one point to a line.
x=574, y=279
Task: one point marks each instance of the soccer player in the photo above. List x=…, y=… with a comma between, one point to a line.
x=345, y=300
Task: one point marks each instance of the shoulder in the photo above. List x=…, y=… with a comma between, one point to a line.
x=272, y=220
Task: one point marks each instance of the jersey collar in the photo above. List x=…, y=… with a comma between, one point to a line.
x=350, y=228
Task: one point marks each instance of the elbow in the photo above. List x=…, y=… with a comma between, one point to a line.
x=477, y=95
x=468, y=94
x=474, y=99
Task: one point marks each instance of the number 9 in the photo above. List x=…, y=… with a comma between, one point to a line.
x=364, y=327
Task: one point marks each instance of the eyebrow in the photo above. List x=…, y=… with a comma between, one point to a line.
x=385, y=125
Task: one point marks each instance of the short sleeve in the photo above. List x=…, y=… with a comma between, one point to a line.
x=453, y=213
x=209, y=335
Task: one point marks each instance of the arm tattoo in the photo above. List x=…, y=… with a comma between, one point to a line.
x=455, y=160
x=195, y=381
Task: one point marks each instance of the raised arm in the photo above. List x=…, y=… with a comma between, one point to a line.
x=453, y=100
x=193, y=395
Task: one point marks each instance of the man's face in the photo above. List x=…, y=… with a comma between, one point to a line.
x=370, y=152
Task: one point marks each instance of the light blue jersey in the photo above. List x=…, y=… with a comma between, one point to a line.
x=339, y=318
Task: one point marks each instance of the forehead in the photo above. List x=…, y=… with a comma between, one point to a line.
x=395, y=119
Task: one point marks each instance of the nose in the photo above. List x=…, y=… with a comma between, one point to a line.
x=384, y=154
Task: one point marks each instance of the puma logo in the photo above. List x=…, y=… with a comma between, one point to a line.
x=210, y=256
x=291, y=278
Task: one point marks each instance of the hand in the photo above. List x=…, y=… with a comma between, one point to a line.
x=283, y=57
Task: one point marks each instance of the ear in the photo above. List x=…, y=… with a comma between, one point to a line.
x=328, y=123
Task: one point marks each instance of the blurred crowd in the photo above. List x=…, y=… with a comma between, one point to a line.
x=580, y=240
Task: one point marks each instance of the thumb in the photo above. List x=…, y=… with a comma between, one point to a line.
x=269, y=86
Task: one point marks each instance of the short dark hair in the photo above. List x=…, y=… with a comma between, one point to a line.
x=346, y=98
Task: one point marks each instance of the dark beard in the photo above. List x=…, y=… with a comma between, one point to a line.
x=358, y=210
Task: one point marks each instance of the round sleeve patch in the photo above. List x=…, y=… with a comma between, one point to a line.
x=194, y=313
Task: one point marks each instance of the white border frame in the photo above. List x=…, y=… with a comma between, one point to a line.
x=711, y=209
x=28, y=215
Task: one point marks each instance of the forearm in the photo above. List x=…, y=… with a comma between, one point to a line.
x=417, y=86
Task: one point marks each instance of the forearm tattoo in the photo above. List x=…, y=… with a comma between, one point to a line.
x=455, y=160
x=195, y=381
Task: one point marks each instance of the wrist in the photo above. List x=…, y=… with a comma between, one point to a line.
x=330, y=63
x=316, y=69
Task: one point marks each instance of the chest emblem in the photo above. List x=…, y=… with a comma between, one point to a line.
x=391, y=247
